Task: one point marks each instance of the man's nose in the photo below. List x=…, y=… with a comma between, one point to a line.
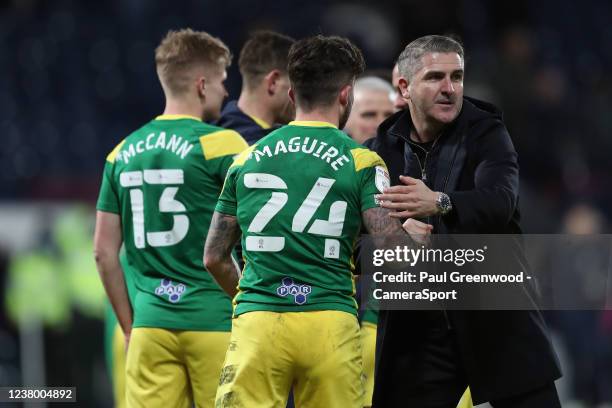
x=447, y=86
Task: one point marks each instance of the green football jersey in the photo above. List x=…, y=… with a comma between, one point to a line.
x=164, y=180
x=298, y=195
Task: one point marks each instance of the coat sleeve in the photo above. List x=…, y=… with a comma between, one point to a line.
x=490, y=205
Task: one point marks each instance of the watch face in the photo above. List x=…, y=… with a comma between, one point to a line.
x=444, y=203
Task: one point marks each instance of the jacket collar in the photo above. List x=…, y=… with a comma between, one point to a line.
x=399, y=125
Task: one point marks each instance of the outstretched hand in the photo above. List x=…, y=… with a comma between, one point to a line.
x=413, y=199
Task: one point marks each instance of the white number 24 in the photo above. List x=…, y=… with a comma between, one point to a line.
x=332, y=227
x=167, y=204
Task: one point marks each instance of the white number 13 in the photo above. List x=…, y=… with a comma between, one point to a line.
x=167, y=204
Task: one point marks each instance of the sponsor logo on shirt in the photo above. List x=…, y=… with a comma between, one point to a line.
x=299, y=292
x=167, y=288
x=382, y=180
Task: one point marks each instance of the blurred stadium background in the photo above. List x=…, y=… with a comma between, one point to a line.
x=79, y=76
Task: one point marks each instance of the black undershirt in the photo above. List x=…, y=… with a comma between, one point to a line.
x=421, y=150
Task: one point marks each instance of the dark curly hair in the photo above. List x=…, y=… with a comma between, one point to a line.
x=320, y=66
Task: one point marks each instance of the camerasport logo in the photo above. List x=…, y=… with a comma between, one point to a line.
x=299, y=292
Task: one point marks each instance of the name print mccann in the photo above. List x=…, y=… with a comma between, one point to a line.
x=153, y=141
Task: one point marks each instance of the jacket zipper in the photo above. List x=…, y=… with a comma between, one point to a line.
x=423, y=168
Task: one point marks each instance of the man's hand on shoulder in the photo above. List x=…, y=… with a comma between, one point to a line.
x=413, y=199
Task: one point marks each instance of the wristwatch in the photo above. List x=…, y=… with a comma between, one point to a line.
x=443, y=203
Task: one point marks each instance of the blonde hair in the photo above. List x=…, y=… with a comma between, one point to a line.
x=182, y=50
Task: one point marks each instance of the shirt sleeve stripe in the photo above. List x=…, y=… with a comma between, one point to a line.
x=111, y=156
x=242, y=157
x=222, y=143
x=365, y=158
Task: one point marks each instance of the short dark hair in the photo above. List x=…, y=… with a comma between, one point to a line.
x=263, y=52
x=320, y=66
x=409, y=61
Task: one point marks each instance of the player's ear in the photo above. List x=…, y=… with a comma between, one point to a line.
x=292, y=95
x=201, y=86
x=403, y=85
x=271, y=80
x=345, y=95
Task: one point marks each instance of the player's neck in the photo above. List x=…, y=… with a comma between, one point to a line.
x=316, y=115
x=255, y=106
x=178, y=107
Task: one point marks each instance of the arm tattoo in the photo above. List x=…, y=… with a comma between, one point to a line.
x=223, y=234
x=222, y=237
x=385, y=231
x=378, y=222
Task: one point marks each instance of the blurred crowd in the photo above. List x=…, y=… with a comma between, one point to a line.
x=80, y=77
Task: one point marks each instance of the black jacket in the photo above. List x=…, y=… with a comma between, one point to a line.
x=474, y=162
x=503, y=352
x=234, y=118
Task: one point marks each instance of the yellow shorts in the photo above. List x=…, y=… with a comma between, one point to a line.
x=174, y=368
x=368, y=344
x=318, y=353
x=118, y=350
